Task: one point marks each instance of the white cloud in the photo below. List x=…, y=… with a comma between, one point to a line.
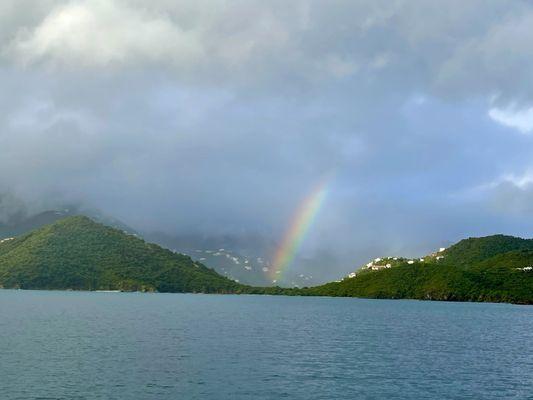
x=522, y=181
x=519, y=181
x=522, y=120
x=508, y=194
x=105, y=33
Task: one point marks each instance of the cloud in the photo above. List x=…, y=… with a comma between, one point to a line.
x=104, y=34
x=10, y=208
x=523, y=181
x=513, y=198
x=521, y=120
x=454, y=49
x=509, y=195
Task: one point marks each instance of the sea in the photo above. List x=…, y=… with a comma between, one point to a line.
x=88, y=345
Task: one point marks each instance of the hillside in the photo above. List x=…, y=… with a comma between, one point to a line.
x=78, y=253
x=470, y=251
x=494, y=268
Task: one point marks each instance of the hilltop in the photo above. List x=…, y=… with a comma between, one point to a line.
x=493, y=268
x=22, y=223
x=78, y=253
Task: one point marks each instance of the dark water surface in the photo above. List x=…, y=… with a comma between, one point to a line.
x=80, y=345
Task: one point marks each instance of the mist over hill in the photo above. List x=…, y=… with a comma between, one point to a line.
x=245, y=257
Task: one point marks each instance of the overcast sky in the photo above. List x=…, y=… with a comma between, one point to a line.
x=222, y=116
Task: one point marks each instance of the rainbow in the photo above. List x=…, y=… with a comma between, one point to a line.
x=301, y=223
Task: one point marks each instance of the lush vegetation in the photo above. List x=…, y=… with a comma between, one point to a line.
x=80, y=254
x=475, y=269
x=470, y=251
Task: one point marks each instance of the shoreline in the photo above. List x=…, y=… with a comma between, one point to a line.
x=263, y=295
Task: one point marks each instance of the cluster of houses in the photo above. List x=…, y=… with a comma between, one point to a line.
x=437, y=256
x=388, y=262
x=225, y=258
x=224, y=253
x=375, y=267
x=526, y=269
x=6, y=239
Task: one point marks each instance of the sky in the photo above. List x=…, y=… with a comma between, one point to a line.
x=220, y=117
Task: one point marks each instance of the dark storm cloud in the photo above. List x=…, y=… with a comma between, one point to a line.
x=217, y=116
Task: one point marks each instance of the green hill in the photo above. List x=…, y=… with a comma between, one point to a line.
x=493, y=268
x=78, y=253
x=473, y=250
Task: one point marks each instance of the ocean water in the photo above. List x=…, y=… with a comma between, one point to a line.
x=81, y=345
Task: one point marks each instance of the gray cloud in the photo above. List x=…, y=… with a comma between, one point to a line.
x=450, y=48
